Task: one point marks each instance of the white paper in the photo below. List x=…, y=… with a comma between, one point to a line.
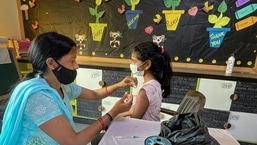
x=223, y=136
x=243, y=126
x=4, y=56
x=89, y=78
x=217, y=93
x=130, y=131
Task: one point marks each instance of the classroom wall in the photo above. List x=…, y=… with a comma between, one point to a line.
x=219, y=110
x=10, y=25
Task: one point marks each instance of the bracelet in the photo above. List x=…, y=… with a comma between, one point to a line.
x=102, y=123
x=109, y=116
x=107, y=92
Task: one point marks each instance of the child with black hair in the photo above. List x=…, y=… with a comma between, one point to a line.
x=153, y=64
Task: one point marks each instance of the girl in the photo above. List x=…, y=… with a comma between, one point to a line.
x=153, y=63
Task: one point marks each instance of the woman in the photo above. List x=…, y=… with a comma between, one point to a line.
x=153, y=64
x=39, y=109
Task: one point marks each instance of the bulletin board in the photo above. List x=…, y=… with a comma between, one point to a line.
x=191, y=31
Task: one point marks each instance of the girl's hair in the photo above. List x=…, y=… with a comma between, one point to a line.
x=161, y=67
x=49, y=44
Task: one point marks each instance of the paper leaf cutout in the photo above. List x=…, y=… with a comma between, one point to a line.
x=92, y=11
x=172, y=3
x=222, y=7
x=224, y=21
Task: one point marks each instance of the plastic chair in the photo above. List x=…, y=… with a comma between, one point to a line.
x=193, y=101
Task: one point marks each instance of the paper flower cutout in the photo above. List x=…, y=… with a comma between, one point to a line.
x=93, y=11
x=220, y=21
x=132, y=3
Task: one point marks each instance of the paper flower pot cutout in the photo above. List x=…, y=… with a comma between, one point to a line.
x=172, y=18
x=132, y=18
x=216, y=36
x=97, y=30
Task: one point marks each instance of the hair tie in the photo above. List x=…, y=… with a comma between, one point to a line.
x=37, y=73
x=162, y=50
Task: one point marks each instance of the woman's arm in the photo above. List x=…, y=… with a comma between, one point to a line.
x=87, y=94
x=60, y=129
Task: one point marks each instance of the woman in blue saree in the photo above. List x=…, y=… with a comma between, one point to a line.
x=39, y=109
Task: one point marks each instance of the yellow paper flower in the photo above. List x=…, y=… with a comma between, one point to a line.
x=98, y=2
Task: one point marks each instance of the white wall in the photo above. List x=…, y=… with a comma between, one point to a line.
x=10, y=25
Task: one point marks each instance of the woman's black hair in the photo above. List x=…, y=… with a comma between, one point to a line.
x=48, y=44
x=161, y=63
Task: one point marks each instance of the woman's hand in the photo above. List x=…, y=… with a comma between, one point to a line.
x=124, y=104
x=128, y=81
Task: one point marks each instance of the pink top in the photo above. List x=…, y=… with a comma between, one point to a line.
x=154, y=95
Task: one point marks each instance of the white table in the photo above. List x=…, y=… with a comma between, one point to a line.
x=129, y=131
x=223, y=136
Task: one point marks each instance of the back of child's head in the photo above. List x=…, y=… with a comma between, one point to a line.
x=161, y=63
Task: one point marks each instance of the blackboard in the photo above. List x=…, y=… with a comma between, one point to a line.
x=215, y=118
x=9, y=74
x=179, y=87
x=247, y=98
x=113, y=76
x=188, y=43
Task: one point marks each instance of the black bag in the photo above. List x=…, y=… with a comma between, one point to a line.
x=187, y=129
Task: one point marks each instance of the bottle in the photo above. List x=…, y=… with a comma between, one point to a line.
x=230, y=65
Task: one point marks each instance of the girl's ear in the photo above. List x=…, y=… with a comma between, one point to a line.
x=51, y=63
x=148, y=64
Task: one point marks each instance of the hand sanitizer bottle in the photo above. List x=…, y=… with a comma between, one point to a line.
x=230, y=65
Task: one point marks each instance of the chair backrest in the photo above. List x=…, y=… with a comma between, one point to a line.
x=193, y=101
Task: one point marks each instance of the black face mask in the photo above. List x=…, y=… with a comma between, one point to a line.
x=64, y=75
